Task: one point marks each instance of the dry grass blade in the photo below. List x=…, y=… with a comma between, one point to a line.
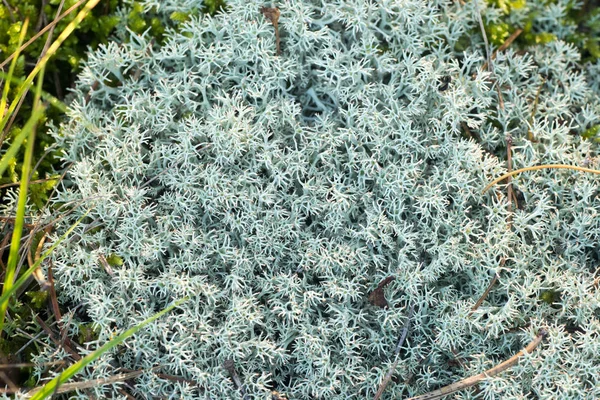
x=49, y=388
x=27, y=365
x=535, y=168
x=505, y=45
x=272, y=14
x=473, y=380
x=44, y=30
x=69, y=387
x=388, y=376
x=51, y=51
x=488, y=289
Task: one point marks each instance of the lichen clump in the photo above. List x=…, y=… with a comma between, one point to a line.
x=278, y=191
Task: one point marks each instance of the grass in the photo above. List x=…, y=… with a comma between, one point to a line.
x=18, y=250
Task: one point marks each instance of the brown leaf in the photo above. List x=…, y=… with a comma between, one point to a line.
x=377, y=297
x=272, y=14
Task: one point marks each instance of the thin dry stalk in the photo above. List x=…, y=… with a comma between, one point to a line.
x=474, y=380
x=7, y=185
x=69, y=387
x=388, y=376
x=485, y=294
x=535, y=168
x=229, y=366
x=44, y=30
x=534, y=110
x=29, y=365
x=52, y=337
x=504, y=45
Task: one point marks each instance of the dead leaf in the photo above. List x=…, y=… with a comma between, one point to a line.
x=377, y=297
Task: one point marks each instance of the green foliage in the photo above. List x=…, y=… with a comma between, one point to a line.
x=139, y=21
x=587, y=36
x=114, y=260
x=60, y=73
x=213, y=6
x=37, y=298
x=575, y=22
x=592, y=133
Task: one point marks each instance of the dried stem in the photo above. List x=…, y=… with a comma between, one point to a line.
x=68, y=387
x=487, y=292
x=504, y=45
x=535, y=168
x=230, y=367
x=388, y=376
x=473, y=380
x=534, y=110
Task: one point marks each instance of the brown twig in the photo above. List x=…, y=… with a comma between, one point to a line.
x=388, y=376
x=272, y=14
x=88, y=96
x=179, y=379
x=473, y=380
x=377, y=296
x=52, y=337
x=42, y=15
x=534, y=110
x=57, y=86
x=106, y=265
x=7, y=185
x=504, y=45
x=535, y=168
x=510, y=194
x=7, y=381
x=68, y=387
x=230, y=367
x=487, y=291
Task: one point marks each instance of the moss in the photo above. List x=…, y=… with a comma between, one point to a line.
x=114, y=260
x=584, y=15
x=60, y=74
x=213, y=6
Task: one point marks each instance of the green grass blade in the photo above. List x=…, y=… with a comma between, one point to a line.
x=18, y=140
x=53, y=101
x=15, y=244
x=11, y=70
x=21, y=281
x=49, y=388
x=44, y=30
x=44, y=60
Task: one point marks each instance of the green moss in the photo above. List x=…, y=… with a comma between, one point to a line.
x=60, y=74
x=583, y=15
x=550, y=296
x=213, y=6
x=114, y=260
x=37, y=299
x=591, y=133
x=140, y=21
x=587, y=37
x=497, y=33
x=87, y=332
